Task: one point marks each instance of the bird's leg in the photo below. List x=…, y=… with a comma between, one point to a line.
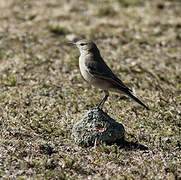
x=101, y=104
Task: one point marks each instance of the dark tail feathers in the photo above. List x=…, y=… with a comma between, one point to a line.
x=137, y=100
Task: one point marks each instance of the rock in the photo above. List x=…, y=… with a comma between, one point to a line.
x=97, y=127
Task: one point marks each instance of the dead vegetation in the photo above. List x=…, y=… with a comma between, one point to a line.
x=42, y=93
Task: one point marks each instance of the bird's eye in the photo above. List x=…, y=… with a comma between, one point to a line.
x=82, y=44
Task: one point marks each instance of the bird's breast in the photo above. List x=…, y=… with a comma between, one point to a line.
x=90, y=78
x=84, y=71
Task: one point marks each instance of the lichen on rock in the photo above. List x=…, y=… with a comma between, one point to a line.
x=97, y=127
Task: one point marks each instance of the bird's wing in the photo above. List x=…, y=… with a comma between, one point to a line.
x=100, y=70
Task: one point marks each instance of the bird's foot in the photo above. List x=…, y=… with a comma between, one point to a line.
x=100, y=106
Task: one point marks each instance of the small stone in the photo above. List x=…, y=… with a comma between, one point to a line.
x=97, y=127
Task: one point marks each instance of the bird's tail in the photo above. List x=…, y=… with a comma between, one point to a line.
x=137, y=100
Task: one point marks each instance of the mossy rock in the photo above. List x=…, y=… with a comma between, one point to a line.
x=97, y=127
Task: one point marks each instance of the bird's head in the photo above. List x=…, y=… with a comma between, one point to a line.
x=86, y=46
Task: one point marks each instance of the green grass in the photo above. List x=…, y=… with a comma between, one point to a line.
x=42, y=93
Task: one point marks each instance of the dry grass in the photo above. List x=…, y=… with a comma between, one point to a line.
x=42, y=93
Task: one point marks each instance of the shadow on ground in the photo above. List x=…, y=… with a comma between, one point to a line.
x=129, y=146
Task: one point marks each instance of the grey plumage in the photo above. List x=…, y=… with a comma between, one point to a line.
x=96, y=72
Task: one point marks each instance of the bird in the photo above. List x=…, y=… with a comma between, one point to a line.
x=97, y=73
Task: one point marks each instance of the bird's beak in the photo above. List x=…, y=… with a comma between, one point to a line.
x=71, y=43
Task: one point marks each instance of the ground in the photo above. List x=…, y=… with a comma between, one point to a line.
x=42, y=93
